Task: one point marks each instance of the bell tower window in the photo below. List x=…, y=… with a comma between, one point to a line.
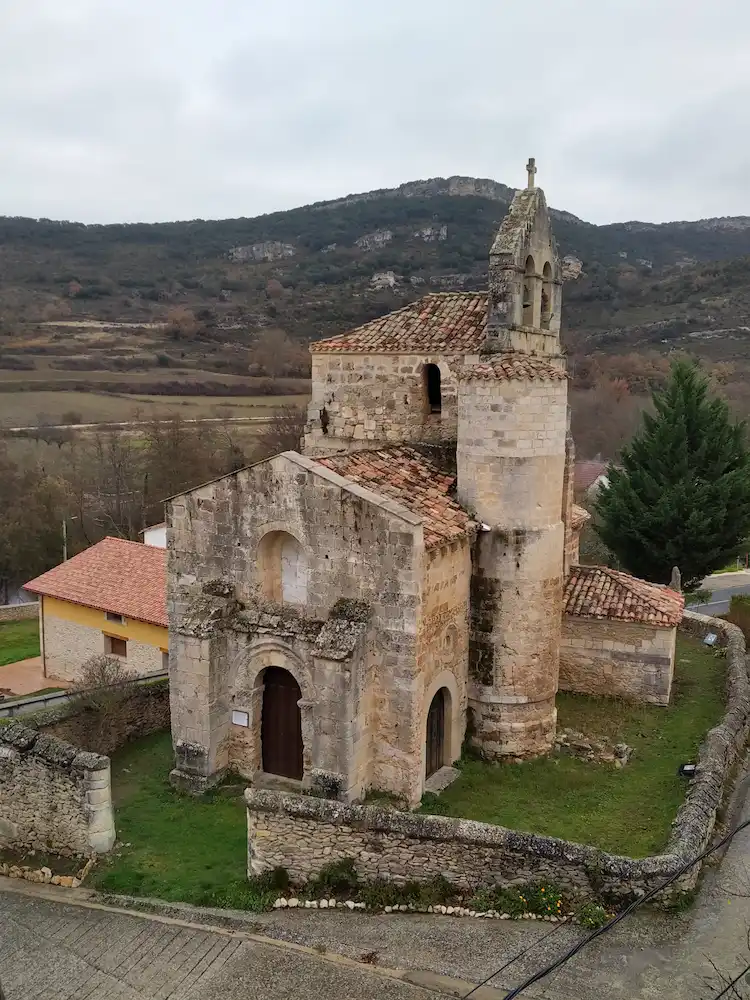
x=432, y=389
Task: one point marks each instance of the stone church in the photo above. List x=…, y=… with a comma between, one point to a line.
x=346, y=617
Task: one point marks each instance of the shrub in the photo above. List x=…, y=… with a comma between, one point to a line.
x=335, y=877
x=544, y=899
x=592, y=915
x=104, y=683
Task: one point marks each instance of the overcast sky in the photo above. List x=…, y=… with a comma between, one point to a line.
x=129, y=110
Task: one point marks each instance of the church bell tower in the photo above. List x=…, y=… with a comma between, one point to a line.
x=512, y=421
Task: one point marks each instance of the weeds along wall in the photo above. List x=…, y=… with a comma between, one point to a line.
x=302, y=833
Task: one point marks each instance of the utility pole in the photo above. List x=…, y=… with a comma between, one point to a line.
x=65, y=539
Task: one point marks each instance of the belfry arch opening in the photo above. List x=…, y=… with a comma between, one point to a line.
x=546, y=296
x=529, y=291
x=432, y=388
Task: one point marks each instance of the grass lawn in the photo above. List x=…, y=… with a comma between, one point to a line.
x=174, y=846
x=626, y=811
x=19, y=641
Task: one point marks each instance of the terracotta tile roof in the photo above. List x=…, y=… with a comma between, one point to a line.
x=406, y=476
x=514, y=366
x=587, y=473
x=126, y=578
x=445, y=322
x=599, y=592
x=578, y=517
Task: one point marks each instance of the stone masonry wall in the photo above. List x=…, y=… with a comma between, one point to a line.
x=619, y=659
x=371, y=401
x=303, y=834
x=53, y=797
x=68, y=645
x=19, y=612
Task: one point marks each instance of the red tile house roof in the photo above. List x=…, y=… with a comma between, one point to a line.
x=587, y=473
x=126, y=578
x=406, y=476
x=444, y=322
x=505, y=367
x=599, y=592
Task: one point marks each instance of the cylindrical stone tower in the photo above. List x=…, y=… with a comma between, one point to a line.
x=511, y=464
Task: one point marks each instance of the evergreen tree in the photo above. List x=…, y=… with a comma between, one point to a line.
x=682, y=494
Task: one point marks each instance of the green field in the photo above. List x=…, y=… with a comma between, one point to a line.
x=19, y=641
x=29, y=408
x=626, y=811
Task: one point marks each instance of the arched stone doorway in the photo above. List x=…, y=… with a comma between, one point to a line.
x=281, y=724
x=435, y=756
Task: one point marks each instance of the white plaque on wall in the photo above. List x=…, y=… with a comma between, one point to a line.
x=240, y=719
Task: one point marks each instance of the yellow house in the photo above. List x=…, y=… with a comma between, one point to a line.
x=110, y=599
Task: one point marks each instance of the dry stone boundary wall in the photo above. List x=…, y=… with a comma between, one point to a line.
x=53, y=797
x=18, y=612
x=303, y=833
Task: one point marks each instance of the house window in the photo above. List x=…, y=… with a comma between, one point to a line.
x=112, y=617
x=164, y=660
x=432, y=388
x=115, y=646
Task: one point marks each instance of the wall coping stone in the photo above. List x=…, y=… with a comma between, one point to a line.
x=50, y=749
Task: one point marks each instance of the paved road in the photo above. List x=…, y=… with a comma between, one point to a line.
x=53, y=951
x=722, y=588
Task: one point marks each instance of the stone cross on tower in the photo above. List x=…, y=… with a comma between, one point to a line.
x=531, y=169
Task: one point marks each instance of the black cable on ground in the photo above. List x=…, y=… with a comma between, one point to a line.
x=730, y=986
x=534, y=944
x=558, y=963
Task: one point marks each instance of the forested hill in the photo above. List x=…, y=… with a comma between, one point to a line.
x=316, y=269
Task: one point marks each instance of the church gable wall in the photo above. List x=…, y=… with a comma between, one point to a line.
x=370, y=401
x=349, y=547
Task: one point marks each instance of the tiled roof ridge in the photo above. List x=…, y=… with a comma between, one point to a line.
x=602, y=592
x=513, y=366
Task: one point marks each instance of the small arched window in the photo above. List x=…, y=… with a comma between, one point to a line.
x=432, y=388
x=546, y=296
x=282, y=567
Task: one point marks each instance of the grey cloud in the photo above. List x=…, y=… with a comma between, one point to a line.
x=180, y=109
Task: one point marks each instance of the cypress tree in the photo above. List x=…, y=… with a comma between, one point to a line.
x=682, y=494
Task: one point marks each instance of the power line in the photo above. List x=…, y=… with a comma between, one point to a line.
x=534, y=944
x=733, y=983
x=572, y=952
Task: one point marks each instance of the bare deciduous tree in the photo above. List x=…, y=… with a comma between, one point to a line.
x=283, y=433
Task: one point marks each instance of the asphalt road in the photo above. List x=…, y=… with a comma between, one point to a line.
x=722, y=587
